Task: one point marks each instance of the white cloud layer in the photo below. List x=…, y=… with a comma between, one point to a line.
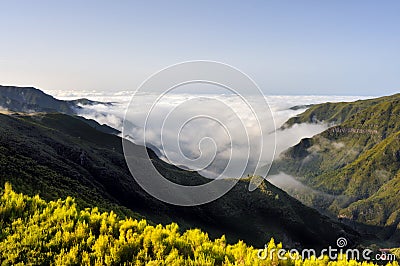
x=202, y=143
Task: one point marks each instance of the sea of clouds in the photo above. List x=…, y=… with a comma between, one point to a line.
x=204, y=144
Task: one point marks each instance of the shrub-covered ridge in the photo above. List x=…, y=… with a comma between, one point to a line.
x=37, y=232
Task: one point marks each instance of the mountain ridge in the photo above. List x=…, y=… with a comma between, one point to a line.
x=356, y=160
x=31, y=100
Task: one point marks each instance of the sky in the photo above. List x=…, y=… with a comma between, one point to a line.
x=287, y=47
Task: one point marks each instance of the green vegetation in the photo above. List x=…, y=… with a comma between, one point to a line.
x=37, y=232
x=356, y=163
x=336, y=113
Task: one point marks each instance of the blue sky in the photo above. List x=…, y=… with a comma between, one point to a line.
x=287, y=47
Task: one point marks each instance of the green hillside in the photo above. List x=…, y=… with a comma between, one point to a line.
x=36, y=232
x=357, y=162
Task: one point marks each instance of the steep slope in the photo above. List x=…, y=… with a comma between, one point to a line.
x=57, y=155
x=381, y=208
x=356, y=162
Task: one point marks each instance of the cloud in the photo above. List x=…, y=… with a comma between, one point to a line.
x=302, y=192
x=206, y=132
x=104, y=114
x=288, y=182
x=289, y=137
x=338, y=145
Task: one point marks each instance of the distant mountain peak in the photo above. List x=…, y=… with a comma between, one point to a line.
x=31, y=100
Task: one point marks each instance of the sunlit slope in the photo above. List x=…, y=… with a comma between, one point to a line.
x=36, y=232
x=357, y=161
x=336, y=112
